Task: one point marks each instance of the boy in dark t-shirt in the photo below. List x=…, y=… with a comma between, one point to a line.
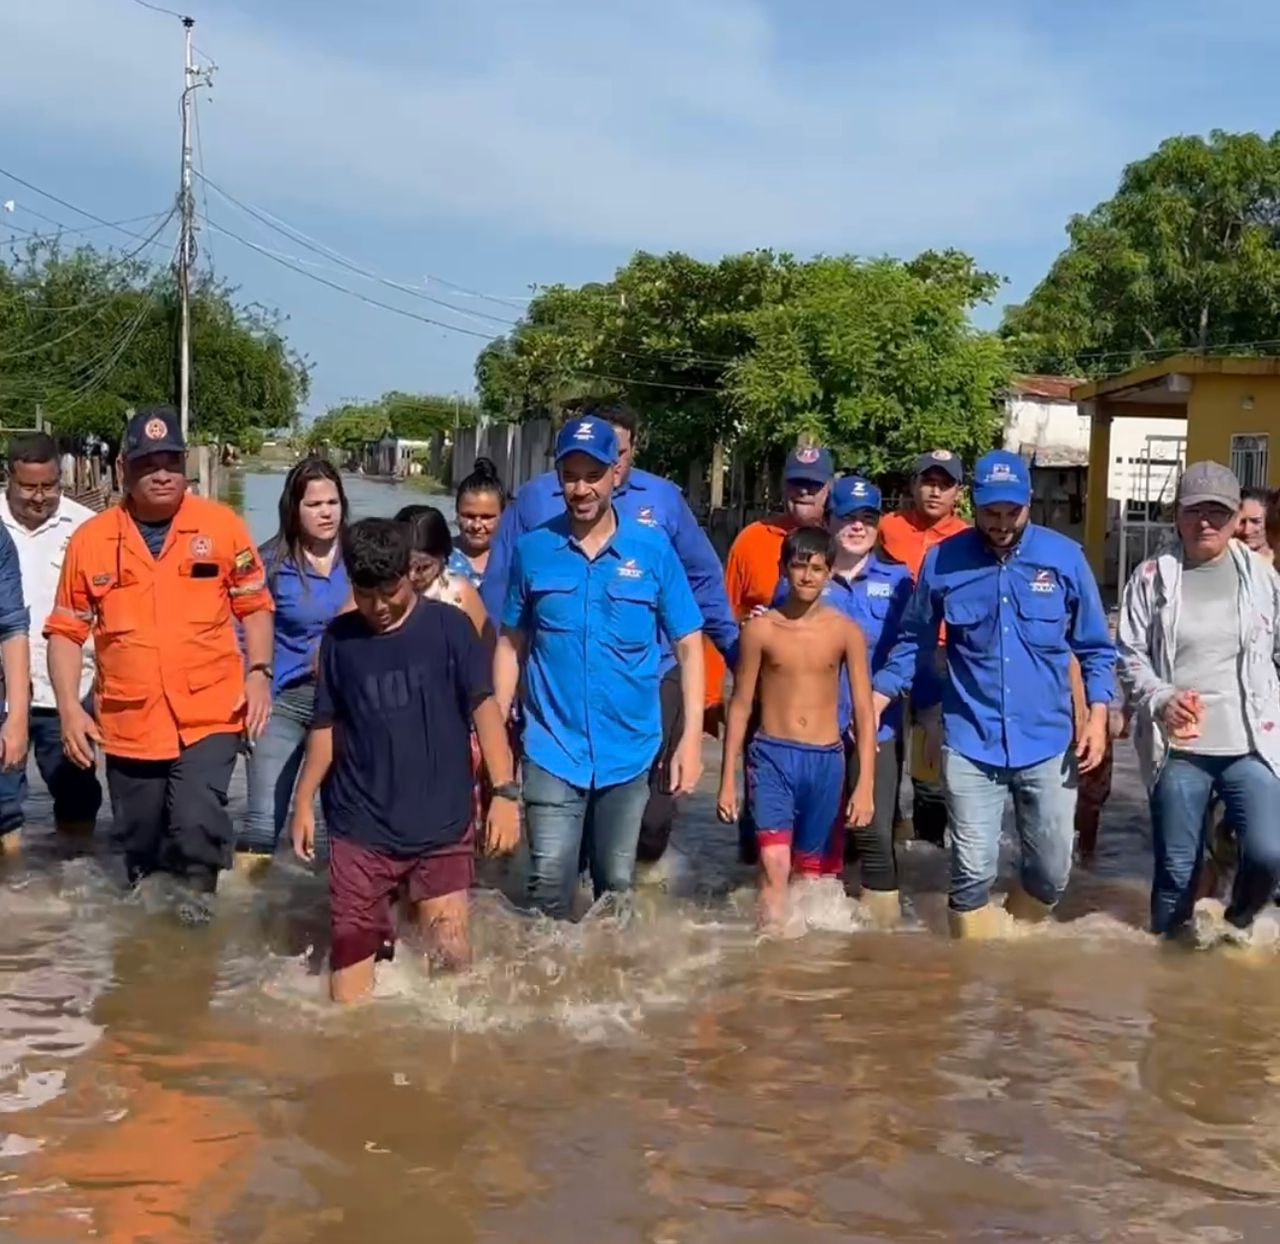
x=400, y=682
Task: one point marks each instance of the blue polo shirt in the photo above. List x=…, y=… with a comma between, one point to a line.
x=306, y=602
x=1011, y=628
x=593, y=660
x=875, y=599
x=648, y=500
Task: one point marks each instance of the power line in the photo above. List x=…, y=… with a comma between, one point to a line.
x=157, y=8
x=298, y=237
x=53, y=198
x=275, y=257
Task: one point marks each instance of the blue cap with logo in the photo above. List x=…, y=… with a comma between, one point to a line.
x=809, y=465
x=940, y=460
x=851, y=494
x=155, y=430
x=1001, y=478
x=588, y=435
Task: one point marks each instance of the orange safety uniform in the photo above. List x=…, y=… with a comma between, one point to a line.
x=906, y=539
x=169, y=668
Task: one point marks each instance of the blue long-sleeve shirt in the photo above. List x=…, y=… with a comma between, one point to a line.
x=1011, y=628
x=15, y=617
x=645, y=499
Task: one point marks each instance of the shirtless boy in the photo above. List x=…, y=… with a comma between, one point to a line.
x=794, y=656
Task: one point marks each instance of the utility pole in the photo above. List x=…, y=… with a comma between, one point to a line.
x=193, y=78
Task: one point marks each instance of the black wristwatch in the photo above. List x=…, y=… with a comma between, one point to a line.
x=507, y=790
x=263, y=668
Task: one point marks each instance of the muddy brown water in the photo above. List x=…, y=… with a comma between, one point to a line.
x=654, y=1073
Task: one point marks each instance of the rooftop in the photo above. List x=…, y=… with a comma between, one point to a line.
x=1169, y=380
x=1047, y=388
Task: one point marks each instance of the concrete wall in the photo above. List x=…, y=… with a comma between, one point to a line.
x=519, y=450
x=1223, y=406
x=1062, y=425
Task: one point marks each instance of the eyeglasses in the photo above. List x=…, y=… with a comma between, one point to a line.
x=31, y=491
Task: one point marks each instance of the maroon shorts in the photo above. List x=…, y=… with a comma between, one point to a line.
x=362, y=883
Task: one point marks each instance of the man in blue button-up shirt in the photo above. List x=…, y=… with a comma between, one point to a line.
x=1017, y=600
x=658, y=504
x=591, y=593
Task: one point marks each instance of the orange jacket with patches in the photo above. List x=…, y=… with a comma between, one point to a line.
x=169, y=668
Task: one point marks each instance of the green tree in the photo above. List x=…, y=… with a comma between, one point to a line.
x=410, y=416
x=876, y=358
x=1185, y=256
x=85, y=335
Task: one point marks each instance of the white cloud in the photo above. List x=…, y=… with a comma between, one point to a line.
x=666, y=123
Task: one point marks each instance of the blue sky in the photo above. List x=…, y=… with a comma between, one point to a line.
x=502, y=144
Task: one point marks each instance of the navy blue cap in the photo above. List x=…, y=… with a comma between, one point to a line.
x=852, y=493
x=155, y=430
x=809, y=465
x=940, y=460
x=1001, y=478
x=588, y=435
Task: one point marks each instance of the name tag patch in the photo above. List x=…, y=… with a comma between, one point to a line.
x=629, y=570
x=879, y=589
x=1044, y=582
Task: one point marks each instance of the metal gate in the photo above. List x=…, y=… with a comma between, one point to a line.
x=1148, y=489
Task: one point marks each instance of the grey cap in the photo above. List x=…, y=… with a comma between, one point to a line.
x=1209, y=483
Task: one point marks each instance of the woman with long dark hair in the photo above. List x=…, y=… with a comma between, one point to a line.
x=303, y=561
x=480, y=501
x=430, y=568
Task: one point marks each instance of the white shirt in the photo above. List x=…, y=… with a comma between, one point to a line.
x=40, y=554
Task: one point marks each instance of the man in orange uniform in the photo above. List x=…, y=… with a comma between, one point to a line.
x=906, y=537
x=751, y=571
x=159, y=581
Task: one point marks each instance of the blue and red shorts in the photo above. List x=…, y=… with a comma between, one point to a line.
x=796, y=794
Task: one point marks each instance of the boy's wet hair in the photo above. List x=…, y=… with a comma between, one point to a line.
x=375, y=552
x=806, y=542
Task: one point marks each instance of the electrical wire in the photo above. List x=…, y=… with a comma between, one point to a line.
x=158, y=8
x=284, y=262
x=199, y=169
x=84, y=324
x=53, y=198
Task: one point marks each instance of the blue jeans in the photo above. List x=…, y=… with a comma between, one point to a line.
x=559, y=816
x=1044, y=811
x=77, y=795
x=1179, y=807
x=273, y=771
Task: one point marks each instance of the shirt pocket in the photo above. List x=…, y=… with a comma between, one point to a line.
x=1042, y=616
x=632, y=612
x=970, y=617
x=554, y=602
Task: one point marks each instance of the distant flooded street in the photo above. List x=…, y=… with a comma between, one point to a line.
x=653, y=1074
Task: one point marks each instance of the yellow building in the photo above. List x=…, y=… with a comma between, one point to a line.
x=1224, y=409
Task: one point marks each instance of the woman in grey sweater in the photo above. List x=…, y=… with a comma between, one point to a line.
x=1199, y=646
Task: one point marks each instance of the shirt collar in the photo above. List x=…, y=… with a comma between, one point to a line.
x=56, y=519
x=568, y=542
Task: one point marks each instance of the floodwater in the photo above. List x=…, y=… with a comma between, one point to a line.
x=653, y=1074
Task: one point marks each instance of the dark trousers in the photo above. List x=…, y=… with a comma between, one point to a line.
x=660, y=811
x=1094, y=791
x=171, y=815
x=76, y=793
x=872, y=845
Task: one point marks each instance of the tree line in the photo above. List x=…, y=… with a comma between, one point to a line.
x=877, y=357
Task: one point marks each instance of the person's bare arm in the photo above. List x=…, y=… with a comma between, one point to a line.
x=79, y=730
x=686, y=764
x=502, y=829
x=508, y=657
x=473, y=607
x=865, y=718
x=745, y=679
x=315, y=766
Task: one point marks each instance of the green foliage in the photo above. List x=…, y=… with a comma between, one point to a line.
x=414, y=417
x=875, y=358
x=85, y=335
x=1185, y=256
